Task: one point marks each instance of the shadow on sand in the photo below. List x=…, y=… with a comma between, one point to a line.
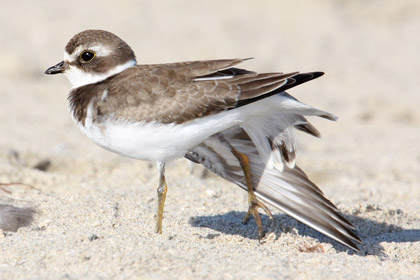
x=371, y=232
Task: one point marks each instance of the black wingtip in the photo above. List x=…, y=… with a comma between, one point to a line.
x=317, y=74
x=305, y=77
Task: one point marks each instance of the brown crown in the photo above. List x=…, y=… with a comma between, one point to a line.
x=120, y=50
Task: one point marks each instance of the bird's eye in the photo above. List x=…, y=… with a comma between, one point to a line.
x=87, y=56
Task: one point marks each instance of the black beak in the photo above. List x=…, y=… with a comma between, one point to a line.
x=58, y=68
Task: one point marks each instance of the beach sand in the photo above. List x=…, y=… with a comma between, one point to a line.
x=90, y=214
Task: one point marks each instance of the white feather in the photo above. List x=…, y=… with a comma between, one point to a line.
x=213, y=78
x=104, y=95
x=100, y=50
x=78, y=77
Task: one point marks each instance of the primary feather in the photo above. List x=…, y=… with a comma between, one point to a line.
x=286, y=188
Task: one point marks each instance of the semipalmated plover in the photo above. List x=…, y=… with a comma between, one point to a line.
x=237, y=123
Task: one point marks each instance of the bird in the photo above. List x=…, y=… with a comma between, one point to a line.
x=237, y=123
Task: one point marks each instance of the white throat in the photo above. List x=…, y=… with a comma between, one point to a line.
x=79, y=78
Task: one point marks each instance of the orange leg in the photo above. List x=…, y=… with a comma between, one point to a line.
x=161, y=190
x=253, y=203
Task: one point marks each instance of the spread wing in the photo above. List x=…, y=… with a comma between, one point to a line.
x=289, y=189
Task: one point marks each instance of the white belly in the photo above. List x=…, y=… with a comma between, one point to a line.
x=162, y=142
x=154, y=141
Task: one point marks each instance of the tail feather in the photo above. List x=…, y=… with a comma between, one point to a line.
x=308, y=128
x=271, y=128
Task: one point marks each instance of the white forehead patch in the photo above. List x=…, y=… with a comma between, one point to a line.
x=100, y=50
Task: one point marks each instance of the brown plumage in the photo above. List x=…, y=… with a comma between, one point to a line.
x=178, y=92
x=119, y=53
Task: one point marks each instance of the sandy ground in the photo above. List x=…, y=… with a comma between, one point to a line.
x=95, y=210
